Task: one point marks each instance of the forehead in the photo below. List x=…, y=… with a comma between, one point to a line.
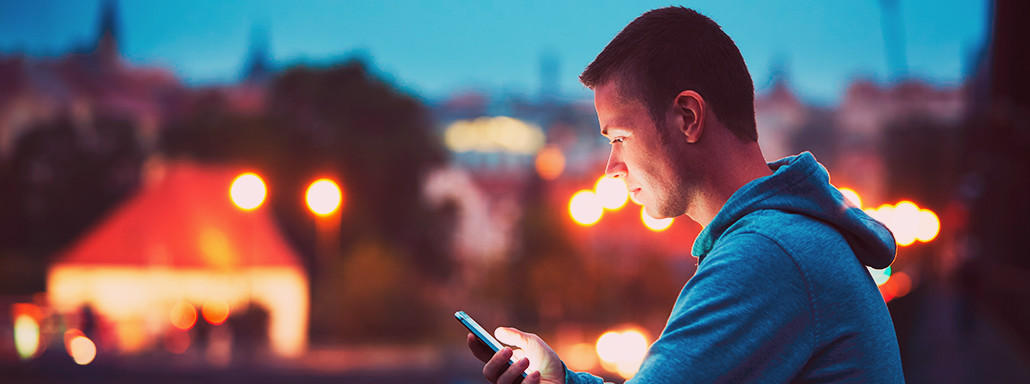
x=617, y=110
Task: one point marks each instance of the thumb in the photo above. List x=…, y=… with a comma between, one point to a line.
x=512, y=336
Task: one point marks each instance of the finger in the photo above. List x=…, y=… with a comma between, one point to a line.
x=479, y=350
x=532, y=378
x=497, y=364
x=514, y=373
x=512, y=336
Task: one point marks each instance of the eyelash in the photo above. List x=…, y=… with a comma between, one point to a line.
x=615, y=140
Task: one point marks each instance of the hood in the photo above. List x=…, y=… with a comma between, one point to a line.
x=799, y=184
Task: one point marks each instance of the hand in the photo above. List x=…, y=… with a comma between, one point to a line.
x=542, y=363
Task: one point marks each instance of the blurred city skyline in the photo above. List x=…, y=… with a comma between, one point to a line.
x=435, y=50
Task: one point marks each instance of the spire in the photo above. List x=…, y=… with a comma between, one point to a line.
x=257, y=67
x=107, y=36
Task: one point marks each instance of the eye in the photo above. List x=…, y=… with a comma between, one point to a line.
x=615, y=140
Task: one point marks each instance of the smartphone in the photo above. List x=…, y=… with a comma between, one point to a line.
x=484, y=336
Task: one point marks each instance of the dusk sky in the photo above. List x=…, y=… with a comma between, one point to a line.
x=435, y=48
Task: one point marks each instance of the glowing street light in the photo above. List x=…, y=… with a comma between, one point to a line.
x=248, y=191
x=851, y=196
x=622, y=352
x=82, y=350
x=324, y=197
x=612, y=192
x=654, y=224
x=585, y=208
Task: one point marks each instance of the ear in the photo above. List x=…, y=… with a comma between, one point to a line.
x=690, y=115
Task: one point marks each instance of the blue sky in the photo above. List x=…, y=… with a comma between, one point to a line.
x=434, y=48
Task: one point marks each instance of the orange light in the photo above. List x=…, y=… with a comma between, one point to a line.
x=215, y=311
x=585, y=208
x=612, y=192
x=177, y=341
x=901, y=284
x=27, y=339
x=183, y=315
x=248, y=191
x=82, y=350
x=929, y=226
x=906, y=221
x=622, y=352
x=851, y=196
x=324, y=197
x=654, y=224
x=550, y=163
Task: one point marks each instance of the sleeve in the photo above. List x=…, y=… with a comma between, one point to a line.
x=745, y=316
x=572, y=377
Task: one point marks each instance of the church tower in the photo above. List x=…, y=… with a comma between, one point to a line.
x=107, y=39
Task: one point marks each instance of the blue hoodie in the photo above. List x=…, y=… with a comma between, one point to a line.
x=781, y=292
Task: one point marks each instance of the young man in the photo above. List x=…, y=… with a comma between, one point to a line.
x=781, y=292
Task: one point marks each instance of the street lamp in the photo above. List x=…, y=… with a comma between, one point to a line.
x=248, y=191
x=324, y=197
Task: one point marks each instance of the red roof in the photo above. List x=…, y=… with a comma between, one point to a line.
x=185, y=220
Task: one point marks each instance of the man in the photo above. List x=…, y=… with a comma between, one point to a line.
x=781, y=292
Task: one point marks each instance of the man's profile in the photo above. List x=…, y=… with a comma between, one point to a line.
x=781, y=292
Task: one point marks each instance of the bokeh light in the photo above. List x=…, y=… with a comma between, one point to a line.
x=82, y=350
x=580, y=357
x=494, y=134
x=177, y=341
x=26, y=336
x=324, y=197
x=183, y=315
x=622, y=352
x=905, y=222
x=852, y=196
x=248, y=191
x=654, y=224
x=550, y=163
x=215, y=311
x=929, y=226
x=585, y=208
x=612, y=192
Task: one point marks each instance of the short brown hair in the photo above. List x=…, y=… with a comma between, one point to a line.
x=668, y=50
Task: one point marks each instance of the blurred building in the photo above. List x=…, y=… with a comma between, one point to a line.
x=176, y=248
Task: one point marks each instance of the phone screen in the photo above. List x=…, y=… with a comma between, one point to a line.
x=482, y=334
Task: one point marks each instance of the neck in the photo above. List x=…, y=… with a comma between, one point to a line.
x=735, y=165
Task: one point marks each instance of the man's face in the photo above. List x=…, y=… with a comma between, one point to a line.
x=653, y=169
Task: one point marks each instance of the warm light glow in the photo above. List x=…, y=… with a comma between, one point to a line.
x=901, y=284
x=880, y=276
x=26, y=336
x=612, y=192
x=282, y=291
x=215, y=311
x=654, y=224
x=324, y=197
x=622, y=352
x=929, y=226
x=177, y=341
x=494, y=134
x=550, y=163
x=247, y=191
x=585, y=208
x=906, y=223
x=580, y=357
x=183, y=315
x=82, y=350
x=852, y=196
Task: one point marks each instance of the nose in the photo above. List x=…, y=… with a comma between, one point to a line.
x=616, y=168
